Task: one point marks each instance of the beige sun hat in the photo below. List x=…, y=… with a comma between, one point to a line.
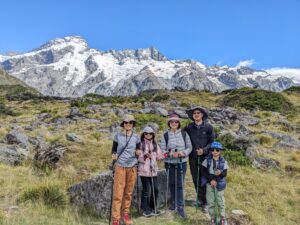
x=127, y=118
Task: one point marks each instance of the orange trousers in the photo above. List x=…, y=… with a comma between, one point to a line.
x=124, y=183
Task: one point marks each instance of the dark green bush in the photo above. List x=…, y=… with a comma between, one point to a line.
x=4, y=110
x=227, y=141
x=50, y=195
x=236, y=158
x=143, y=119
x=293, y=90
x=254, y=99
x=161, y=98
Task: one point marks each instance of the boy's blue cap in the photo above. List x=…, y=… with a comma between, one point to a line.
x=216, y=145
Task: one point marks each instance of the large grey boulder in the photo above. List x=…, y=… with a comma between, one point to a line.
x=285, y=141
x=16, y=136
x=48, y=154
x=243, y=131
x=155, y=108
x=75, y=112
x=95, y=193
x=74, y=138
x=12, y=154
x=43, y=116
x=265, y=163
x=229, y=116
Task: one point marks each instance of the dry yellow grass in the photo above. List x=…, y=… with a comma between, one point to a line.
x=269, y=197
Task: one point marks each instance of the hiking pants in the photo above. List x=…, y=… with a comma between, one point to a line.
x=171, y=168
x=201, y=189
x=124, y=183
x=147, y=193
x=212, y=199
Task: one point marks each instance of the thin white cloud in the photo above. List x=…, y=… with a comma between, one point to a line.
x=292, y=73
x=246, y=63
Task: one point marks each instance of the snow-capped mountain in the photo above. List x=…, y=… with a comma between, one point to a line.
x=67, y=67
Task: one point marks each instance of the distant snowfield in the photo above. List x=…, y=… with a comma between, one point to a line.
x=292, y=73
x=79, y=66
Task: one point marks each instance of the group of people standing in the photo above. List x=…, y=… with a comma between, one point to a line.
x=134, y=155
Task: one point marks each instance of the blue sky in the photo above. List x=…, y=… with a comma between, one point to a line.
x=210, y=31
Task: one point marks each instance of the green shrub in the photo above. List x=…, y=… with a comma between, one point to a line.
x=250, y=99
x=50, y=195
x=161, y=98
x=236, y=158
x=227, y=141
x=4, y=110
x=293, y=90
x=143, y=119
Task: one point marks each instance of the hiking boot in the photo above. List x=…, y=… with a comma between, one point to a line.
x=195, y=204
x=157, y=213
x=172, y=207
x=126, y=219
x=147, y=213
x=204, y=208
x=212, y=222
x=181, y=212
x=115, y=222
x=223, y=221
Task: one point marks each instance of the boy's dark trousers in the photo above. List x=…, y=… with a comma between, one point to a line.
x=201, y=189
x=147, y=202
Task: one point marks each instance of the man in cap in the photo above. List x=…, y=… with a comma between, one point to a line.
x=202, y=135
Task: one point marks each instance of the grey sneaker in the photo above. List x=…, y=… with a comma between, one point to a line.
x=204, y=208
x=147, y=213
x=157, y=213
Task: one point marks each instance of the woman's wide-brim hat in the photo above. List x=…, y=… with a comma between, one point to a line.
x=127, y=118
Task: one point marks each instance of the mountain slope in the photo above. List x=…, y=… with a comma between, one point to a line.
x=68, y=67
x=10, y=85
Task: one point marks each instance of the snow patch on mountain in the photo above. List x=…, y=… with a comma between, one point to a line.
x=68, y=67
x=292, y=73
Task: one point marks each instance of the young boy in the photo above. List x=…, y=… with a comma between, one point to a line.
x=215, y=172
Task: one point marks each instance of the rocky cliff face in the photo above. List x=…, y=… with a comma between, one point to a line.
x=67, y=67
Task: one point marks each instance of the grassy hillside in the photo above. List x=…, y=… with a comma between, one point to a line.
x=269, y=197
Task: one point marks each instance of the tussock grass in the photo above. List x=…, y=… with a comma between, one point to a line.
x=266, y=141
x=267, y=197
x=48, y=193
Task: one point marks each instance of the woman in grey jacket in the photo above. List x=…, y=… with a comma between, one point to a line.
x=176, y=145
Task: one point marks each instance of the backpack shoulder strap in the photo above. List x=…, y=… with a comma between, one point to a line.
x=166, y=136
x=183, y=132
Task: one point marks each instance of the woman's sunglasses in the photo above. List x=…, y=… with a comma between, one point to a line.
x=148, y=133
x=130, y=122
x=174, y=121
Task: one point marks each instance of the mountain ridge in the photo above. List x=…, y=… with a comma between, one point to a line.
x=67, y=67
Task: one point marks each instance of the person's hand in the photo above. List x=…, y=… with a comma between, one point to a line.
x=138, y=152
x=218, y=172
x=200, y=151
x=175, y=154
x=181, y=154
x=114, y=156
x=213, y=183
x=148, y=155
